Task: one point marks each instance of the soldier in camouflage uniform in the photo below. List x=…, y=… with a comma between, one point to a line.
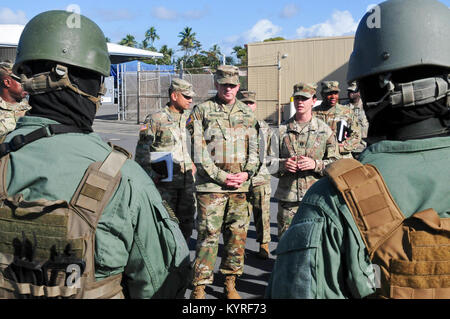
x=356, y=105
x=260, y=189
x=307, y=146
x=13, y=104
x=226, y=155
x=331, y=112
x=165, y=131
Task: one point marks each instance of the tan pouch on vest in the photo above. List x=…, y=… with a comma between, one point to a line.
x=413, y=253
x=55, y=225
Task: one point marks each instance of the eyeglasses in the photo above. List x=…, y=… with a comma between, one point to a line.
x=229, y=85
x=187, y=97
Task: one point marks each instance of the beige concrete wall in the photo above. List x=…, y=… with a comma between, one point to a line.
x=308, y=60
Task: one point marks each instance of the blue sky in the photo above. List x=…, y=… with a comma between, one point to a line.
x=226, y=23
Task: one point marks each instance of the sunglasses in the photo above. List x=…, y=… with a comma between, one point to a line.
x=15, y=78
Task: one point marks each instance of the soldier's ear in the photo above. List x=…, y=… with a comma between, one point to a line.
x=5, y=82
x=174, y=95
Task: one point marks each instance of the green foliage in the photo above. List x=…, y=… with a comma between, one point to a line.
x=241, y=54
x=274, y=39
x=151, y=35
x=129, y=41
x=188, y=42
x=194, y=59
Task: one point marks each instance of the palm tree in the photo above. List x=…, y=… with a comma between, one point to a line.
x=213, y=56
x=188, y=41
x=151, y=35
x=129, y=41
x=241, y=54
x=168, y=54
x=144, y=44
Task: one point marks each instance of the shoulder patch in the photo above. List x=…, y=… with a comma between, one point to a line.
x=144, y=127
x=190, y=119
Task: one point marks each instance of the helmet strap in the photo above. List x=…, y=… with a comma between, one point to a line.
x=419, y=92
x=54, y=80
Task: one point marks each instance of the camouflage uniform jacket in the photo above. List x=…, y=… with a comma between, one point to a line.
x=335, y=114
x=360, y=117
x=225, y=141
x=10, y=113
x=265, y=135
x=165, y=131
x=315, y=140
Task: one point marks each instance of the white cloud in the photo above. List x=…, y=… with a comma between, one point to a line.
x=7, y=16
x=111, y=15
x=167, y=14
x=262, y=30
x=341, y=23
x=164, y=13
x=289, y=11
x=195, y=14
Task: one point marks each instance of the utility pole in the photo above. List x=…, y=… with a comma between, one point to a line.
x=279, y=86
x=181, y=69
x=138, y=91
x=279, y=57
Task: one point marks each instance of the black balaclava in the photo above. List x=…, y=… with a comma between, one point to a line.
x=65, y=106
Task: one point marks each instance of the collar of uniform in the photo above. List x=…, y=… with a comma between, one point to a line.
x=221, y=107
x=407, y=146
x=169, y=112
x=292, y=125
x=3, y=104
x=7, y=106
x=323, y=108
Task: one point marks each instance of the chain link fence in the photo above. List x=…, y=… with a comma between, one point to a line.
x=146, y=92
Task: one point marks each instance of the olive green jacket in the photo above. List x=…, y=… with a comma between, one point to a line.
x=322, y=254
x=129, y=236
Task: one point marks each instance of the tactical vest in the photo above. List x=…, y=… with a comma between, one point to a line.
x=413, y=253
x=47, y=247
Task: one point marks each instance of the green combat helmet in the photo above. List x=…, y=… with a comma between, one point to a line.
x=398, y=39
x=68, y=39
x=401, y=61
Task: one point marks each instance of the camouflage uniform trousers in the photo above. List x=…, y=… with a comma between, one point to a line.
x=286, y=212
x=182, y=203
x=217, y=213
x=260, y=203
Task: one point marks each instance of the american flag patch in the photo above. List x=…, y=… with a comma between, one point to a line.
x=144, y=127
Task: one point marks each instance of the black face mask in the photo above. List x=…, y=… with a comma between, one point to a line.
x=402, y=123
x=66, y=106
